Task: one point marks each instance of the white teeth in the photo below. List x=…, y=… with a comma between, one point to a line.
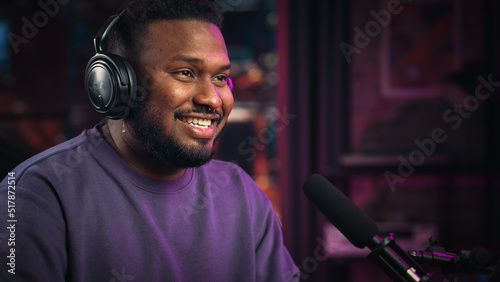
x=197, y=121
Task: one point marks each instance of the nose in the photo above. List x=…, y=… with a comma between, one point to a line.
x=208, y=96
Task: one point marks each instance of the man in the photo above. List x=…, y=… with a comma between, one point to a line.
x=139, y=198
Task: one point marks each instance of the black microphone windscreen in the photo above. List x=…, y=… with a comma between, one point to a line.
x=356, y=226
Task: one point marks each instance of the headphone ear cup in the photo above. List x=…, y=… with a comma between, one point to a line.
x=230, y=83
x=111, y=85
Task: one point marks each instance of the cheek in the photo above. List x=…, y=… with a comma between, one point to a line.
x=160, y=108
x=164, y=97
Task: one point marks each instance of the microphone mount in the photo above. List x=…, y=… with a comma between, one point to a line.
x=394, y=261
x=475, y=261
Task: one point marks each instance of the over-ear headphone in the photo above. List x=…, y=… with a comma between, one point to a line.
x=110, y=80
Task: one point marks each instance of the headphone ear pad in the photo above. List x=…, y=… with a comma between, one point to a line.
x=230, y=83
x=111, y=85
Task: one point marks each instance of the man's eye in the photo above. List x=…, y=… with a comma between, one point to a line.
x=186, y=73
x=222, y=78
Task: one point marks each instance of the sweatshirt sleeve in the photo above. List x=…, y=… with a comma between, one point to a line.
x=32, y=232
x=273, y=260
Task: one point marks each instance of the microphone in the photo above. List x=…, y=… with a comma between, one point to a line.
x=356, y=226
x=361, y=231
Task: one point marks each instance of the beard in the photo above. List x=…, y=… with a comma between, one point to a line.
x=146, y=126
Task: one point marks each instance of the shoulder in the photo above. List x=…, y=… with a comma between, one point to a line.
x=57, y=158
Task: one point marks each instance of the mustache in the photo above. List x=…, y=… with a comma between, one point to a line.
x=199, y=110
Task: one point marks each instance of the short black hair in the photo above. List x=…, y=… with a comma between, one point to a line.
x=127, y=34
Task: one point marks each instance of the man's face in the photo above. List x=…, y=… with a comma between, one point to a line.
x=184, y=67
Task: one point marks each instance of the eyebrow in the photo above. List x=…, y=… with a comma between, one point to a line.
x=197, y=61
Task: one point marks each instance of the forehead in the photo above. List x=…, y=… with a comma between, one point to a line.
x=169, y=38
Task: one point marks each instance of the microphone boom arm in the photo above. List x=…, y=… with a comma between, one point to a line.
x=394, y=261
x=477, y=260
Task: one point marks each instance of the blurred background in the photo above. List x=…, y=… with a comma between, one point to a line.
x=395, y=102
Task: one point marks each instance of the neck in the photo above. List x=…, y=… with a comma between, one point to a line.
x=132, y=152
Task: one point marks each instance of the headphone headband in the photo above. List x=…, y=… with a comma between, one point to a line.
x=104, y=30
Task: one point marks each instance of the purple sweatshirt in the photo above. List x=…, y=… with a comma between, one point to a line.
x=78, y=212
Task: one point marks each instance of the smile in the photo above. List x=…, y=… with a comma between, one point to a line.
x=198, y=122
